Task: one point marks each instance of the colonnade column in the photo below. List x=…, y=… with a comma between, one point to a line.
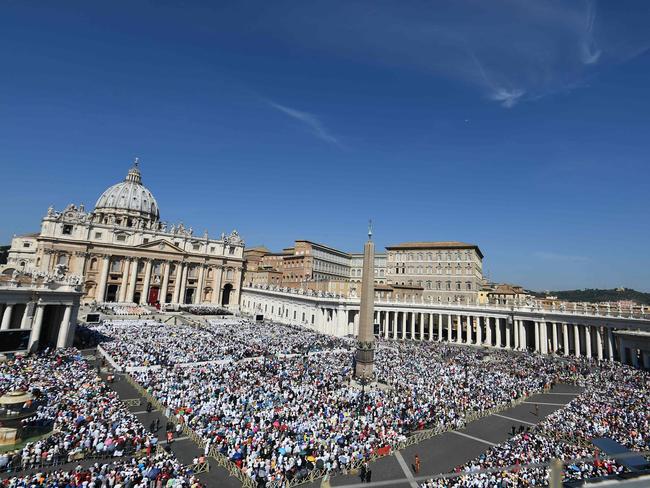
x=459, y=330
x=165, y=282
x=413, y=315
x=422, y=326
x=403, y=326
x=6, y=316
x=523, y=339
x=385, y=324
x=588, y=341
x=449, y=327
x=565, y=338
x=515, y=330
x=430, y=327
x=64, y=328
x=537, y=341
x=497, y=330
x=543, y=337
x=125, y=280
x=599, y=343
x=576, y=339
x=395, y=321
x=488, y=330
x=103, y=279
x=555, y=345
x=468, y=328
x=508, y=326
x=610, y=344
x=479, y=331
x=133, y=274
x=144, y=297
x=439, y=327
x=36, y=325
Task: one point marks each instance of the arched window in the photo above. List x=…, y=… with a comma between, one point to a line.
x=62, y=259
x=93, y=264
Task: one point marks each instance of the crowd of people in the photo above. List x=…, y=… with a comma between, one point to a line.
x=86, y=418
x=280, y=401
x=143, y=342
x=505, y=465
x=281, y=416
x=615, y=403
x=152, y=471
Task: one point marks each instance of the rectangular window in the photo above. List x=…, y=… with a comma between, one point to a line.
x=67, y=230
x=98, y=235
x=145, y=240
x=231, y=250
x=120, y=237
x=26, y=244
x=196, y=247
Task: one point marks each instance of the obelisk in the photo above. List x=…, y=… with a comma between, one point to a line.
x=365, y=355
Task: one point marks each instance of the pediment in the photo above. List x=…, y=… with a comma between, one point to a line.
x=161, y=245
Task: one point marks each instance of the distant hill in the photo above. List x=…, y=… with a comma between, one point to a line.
x=595, y=295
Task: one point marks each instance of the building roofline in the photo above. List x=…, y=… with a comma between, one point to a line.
x=435, y=245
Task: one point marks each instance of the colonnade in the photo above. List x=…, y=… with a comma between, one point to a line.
x=31, y=316
x=508, y=330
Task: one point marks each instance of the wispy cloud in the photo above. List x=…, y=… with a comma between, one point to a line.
x=511, y=51
x=557, y=257
x=312, y=122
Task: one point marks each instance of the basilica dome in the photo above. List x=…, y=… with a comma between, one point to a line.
x=129, y=198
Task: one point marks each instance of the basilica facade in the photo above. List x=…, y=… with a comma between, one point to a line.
x=124, y=253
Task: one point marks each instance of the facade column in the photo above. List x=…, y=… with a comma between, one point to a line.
x=103, y=279
x=403, y=326
x=36, y=325
x=24, y=321
x=198, y=296
x=165, y=283
x=610, y=344
x=536, y=336
x=216, y=285
x=555, y=345
x=468, y=328
x=588, y=341
x=599, y=343
x=576, y=339
x=459, y=329
x=449, y=327
x=144, y=296
x=183, y=283
x=125, y=280
x=6, y=317
x=439, y=327
x=177, y=281
x=565, y=338
x=497, y=330
x=543, y=337
x=508, y=345
x=523, y=338
x=479, y=331
x=64, y=328
x=133, y=279
x=385, y=324
x=430, y=327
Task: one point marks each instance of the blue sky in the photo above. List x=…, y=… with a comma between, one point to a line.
x=518, y=125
